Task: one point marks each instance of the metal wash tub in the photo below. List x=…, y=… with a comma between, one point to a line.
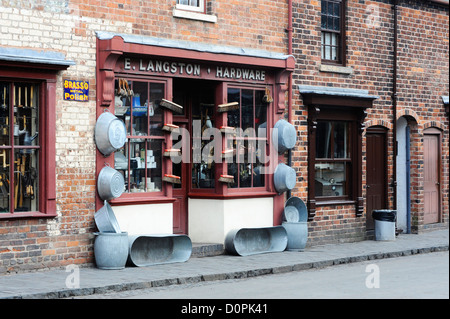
x=147, y=250
x=252, y=241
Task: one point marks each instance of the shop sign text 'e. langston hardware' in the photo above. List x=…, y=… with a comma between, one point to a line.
x=182, y=69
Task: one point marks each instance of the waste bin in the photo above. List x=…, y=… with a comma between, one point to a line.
x=384, y=224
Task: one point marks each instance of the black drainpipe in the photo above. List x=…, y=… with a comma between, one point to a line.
x=394, y=104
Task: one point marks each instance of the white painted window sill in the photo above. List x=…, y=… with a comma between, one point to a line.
x=177, y=13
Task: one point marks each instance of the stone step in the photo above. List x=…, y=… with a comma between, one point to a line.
x=207, y=250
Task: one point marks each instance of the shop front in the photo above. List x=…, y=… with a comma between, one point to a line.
x=199, y=156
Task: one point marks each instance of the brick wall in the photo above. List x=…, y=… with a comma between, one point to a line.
x=422, y=79
x=69, y=26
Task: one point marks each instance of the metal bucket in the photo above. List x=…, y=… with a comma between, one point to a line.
x=110, y=183
x=284, y=178
x=106, y=220
x=111, y=250
x=252, y=241
x=295, y=210
x=285, y=136
x=297, y=234
x=110, y=133
x=147, y=250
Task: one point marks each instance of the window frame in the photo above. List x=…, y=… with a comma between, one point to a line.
x=269, y=111
x=355, y=173
x=348, y=161
x=165, y=195
x=342, y=42
x=45, y=78
x=200, y=9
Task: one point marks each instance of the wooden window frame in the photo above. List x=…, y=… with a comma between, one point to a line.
x=201, y=8
x=345, y=108
x=256, y=139
x=341, y=49
x=45, y=76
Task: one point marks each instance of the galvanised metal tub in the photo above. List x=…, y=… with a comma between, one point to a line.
x=147, y=250
x=252, y=241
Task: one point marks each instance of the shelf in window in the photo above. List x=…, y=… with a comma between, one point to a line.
x=172, y=179
x=171, y=106
x=171, y=128
x=172, y=152
x=228, y=107
x=228, y=130
x=229, y=179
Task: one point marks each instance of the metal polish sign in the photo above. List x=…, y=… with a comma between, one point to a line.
x=76, y=90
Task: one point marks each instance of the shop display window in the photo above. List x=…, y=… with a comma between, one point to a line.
x=333, y=159
x=250, y=142
x=19, y=147
x=140, y=160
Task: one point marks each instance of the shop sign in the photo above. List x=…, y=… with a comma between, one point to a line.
x=158, y=67
x=76, y=90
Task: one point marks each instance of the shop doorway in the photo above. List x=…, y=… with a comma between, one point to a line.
x=198, y=100
x=376, y=176
x=431, y=167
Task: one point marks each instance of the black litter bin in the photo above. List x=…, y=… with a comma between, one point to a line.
x=384, y=224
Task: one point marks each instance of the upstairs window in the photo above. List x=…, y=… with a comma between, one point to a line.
x=332, y=26
x=193, y=5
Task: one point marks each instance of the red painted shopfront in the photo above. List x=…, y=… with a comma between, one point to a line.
x=194, y=169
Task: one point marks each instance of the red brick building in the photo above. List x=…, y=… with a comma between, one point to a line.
x=383, y=68
x=352, y=76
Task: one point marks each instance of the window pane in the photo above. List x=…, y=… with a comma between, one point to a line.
x=5, y=90
x=139, y=109
x=340, y=140
x=203, y=175
x=333, y=53
x=336, y=9
x=234, y=95
x=260, y=111
x=247, y=109
x=4, y=178
x=153, y=182
x=323, y=140
x=19, y=127
x=324, y=22
x=330, y=179
x=330, y=22
x=336, y=24
x=324, y=7
x=155, y=112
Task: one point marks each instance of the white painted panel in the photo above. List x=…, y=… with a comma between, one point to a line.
x=145, y=219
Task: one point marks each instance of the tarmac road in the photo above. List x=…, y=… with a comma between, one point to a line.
x=421, y=276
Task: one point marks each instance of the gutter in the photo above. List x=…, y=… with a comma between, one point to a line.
x=289, y=31
x=394, y=105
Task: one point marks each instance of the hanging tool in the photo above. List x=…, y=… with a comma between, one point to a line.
x=16, y=187
x=4, y=98
x=21, y=175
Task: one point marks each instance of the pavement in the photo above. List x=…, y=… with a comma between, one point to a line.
x=80, y=281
